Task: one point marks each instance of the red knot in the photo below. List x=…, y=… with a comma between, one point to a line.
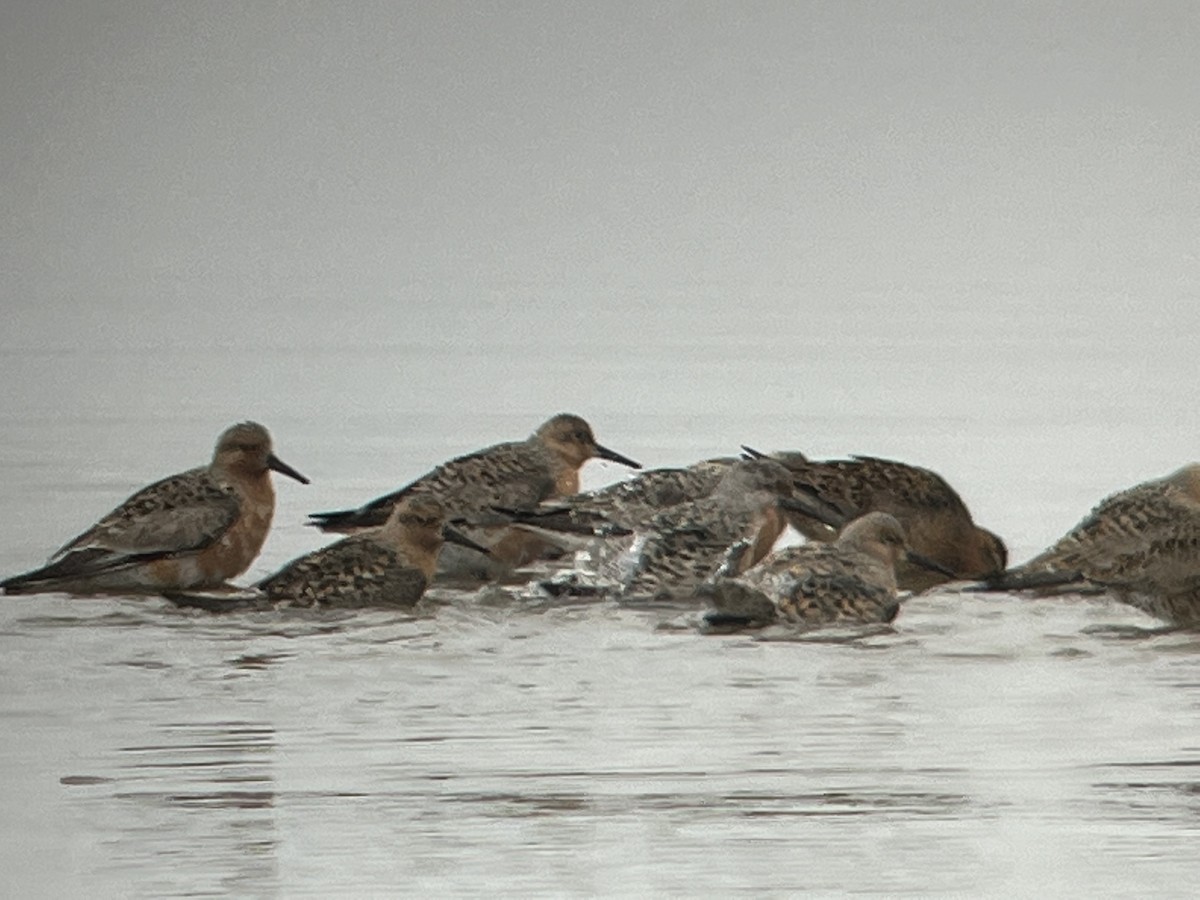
x=195, y=529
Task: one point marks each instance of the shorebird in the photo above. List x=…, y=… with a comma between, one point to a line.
x=389, y=566
x=849, y=581
x=937, y=522
x=517, y=475
x=621, y=507
x=195, y=529
x=1142, y=545
x=675, y=550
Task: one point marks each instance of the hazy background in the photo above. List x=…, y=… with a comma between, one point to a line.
x=695, y=223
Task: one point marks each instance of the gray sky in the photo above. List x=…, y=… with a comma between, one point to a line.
x=169, y=167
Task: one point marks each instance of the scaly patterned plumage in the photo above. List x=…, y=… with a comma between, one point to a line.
x=677, y=549
x=937, y=522
x=388, y=566
x=849, y=581
x=518, y=475
x=626, y=504
x=356, y=572
x=194, y=529
x=1141, y=544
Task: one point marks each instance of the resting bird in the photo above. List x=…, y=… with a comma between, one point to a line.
x=195, y=529
x=518, y=475
x=389, y=566
x=938, y=524
x=849, y=581
x=1142, y=545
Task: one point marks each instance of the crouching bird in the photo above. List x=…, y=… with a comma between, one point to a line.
x=388, y=566
x=849, y=581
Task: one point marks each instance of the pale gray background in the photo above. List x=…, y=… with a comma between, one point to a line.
x=314, y=172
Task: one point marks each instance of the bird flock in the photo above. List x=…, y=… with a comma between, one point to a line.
x=875, y=530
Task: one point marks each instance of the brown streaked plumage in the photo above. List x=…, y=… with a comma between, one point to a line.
x=849, y=581
x=516, y=475
x=389, y=566
x=1141, y=544
x=625, y=505
x=195, y=529
x=677, y=549
x=937, y=522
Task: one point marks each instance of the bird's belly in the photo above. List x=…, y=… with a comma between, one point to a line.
x=228, y=556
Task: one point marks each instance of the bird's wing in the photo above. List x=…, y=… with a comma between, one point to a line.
x=350, y=573
x=513, y=475
x=180, y=514
x=1148, y=535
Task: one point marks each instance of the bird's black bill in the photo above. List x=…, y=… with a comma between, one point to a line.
x=457, y=537
x=613, y=456
x=275, y=464
x=751, y=453
x=932, y=565
x=1016, y=580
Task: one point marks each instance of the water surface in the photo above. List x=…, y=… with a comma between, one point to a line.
x=984, y=746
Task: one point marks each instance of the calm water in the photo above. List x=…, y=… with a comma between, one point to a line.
x=985, y=746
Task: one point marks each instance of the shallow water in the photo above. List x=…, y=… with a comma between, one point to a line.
x=984, y=746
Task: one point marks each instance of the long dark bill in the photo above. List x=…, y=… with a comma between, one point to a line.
x=613, y=456
x=275, y=464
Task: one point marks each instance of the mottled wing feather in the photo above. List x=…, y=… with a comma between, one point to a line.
x=827, y=594
x=810, y=585
x=1148, y=534
x=351, y=573
x=515, y=475
x=630, y=503
x=180, y=514
x=685, y=545
x=862, y=484
x=626, y=504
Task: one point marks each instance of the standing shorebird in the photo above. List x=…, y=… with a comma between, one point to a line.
x=1141, y=544
x=849, y=581
x=195, y=529
x=389, y=566
x=517, y=475
x=938, y=524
